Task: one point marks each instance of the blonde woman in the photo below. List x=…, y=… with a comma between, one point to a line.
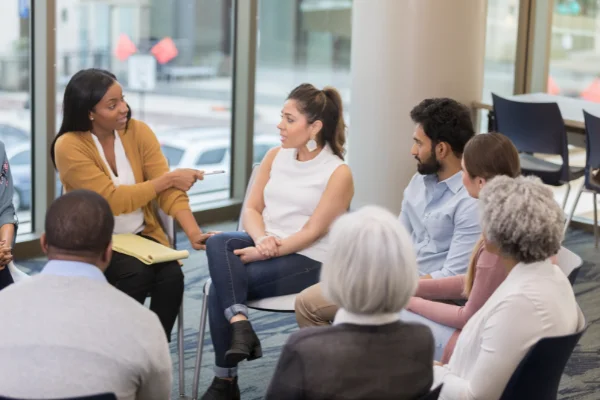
x=485, y=156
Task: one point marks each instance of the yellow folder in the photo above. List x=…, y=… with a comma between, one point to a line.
x=145, y=250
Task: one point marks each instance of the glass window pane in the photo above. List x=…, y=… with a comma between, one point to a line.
x=299, y=41
x=575, y=50
x=500, y=51
x=211, y=157
x=174, y=61
x=15, y=116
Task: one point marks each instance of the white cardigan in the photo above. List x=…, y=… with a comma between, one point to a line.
x=534, y=301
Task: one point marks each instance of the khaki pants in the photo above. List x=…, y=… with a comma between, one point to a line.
x=313, y=309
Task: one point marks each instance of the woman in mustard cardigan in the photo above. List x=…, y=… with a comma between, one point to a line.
x=100, y=147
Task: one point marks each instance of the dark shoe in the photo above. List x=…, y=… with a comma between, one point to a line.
x=244, y=344
x=222, y=389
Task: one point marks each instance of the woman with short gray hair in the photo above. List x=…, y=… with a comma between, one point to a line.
x=368, y=353
x=522, y=223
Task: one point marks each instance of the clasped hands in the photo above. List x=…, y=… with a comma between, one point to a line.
x=5, y=254
x=265, y=247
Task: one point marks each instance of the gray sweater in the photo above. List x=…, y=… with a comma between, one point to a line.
x=355, y=362
x=72, y=336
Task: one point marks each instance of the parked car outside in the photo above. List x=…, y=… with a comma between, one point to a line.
x=209, y=151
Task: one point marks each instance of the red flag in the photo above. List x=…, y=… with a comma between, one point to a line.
x=165, y=50
x=592, y=92
x=125, y=47
x=552, y=86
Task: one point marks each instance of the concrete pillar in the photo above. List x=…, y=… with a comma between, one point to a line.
x=403, y=52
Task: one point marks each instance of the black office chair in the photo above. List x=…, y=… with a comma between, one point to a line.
x=538, y=375
x=103, y=396
x=537, y=128
x=592, y=162
x=433, y=395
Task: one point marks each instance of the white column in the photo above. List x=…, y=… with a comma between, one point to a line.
x=404, y=51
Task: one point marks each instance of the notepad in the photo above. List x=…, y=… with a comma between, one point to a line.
x=145, y=250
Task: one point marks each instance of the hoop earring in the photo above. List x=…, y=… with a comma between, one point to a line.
x=311, y=145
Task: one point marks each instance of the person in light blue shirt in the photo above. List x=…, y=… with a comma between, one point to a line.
x=437, y=210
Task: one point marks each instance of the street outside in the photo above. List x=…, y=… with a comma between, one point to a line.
x=200, y=107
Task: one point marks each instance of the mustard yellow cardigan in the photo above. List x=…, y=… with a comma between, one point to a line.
x=80, y=166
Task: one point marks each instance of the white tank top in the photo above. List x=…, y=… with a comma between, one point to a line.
x=132, y=222
x=293, y=192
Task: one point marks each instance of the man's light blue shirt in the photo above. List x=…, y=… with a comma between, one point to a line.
x=443, y=221
x=73, y=268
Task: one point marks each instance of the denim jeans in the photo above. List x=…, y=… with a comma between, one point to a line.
x=234, y=283
x=441, y=333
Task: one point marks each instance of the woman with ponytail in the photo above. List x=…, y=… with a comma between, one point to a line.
x=485, y=156
x=300, y=188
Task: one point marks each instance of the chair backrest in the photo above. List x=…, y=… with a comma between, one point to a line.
x=240, y=226
x=103, y=396
x=532, y=127
x=168, y=224
x=592, y=145
x=570, y=263
x=433, y=395
x=538, y=375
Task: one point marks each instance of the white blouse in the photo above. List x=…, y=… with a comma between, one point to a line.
x=132, y=222
x=534, y=301
x=294, y=191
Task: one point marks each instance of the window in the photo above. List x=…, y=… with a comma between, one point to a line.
x=259, y=152
x=575, y=50
x=500, y=51
x=10, y=134
x=15, y=116
x=211, y=157
x=172, y=154
x=186, y=46
x=300, y=41
x=20, y=159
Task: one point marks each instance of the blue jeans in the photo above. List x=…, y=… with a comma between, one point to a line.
x=234, y=283
x=441, y=333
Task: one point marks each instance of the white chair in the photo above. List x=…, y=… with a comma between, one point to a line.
x=272, y=304
x=570, y=263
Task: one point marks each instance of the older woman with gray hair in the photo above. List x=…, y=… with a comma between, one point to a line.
x=368, y=353
x=523, y=224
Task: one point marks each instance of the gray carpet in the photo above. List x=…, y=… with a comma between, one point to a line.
x=581, y=380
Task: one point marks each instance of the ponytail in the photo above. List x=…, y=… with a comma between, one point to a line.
x=339, y=136
x=325, y=106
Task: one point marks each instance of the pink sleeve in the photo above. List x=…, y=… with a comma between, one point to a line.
x=448, y=288
x=489, y=275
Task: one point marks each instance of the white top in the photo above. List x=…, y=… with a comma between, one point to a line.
x=293, y=192
x=66, y=333
x=132, y=222
x=346, y=317
x=534, y=301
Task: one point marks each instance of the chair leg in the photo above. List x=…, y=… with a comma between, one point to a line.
x=570, y=216
x=200, y=348
x=595, y=222
x=180, y=345
x=564, y=204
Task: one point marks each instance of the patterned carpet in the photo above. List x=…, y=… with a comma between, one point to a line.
x=581, y=380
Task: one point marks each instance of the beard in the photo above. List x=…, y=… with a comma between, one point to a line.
x=430, y=166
